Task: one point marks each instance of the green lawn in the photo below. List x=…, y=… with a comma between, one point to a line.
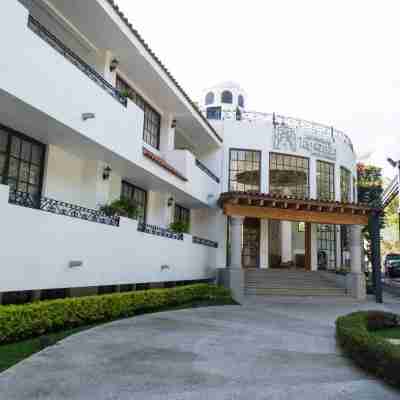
x=389, y=333
x=11, y=354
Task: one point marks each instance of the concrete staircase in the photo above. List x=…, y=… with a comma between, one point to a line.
x=281, y=282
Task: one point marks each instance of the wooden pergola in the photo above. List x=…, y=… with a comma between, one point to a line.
x=289, y=208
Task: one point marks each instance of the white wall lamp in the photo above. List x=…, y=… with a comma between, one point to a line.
x=114, y=64
x=106, y=173
x=86, y=116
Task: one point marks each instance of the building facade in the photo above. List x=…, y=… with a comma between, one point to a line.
x=89, y=115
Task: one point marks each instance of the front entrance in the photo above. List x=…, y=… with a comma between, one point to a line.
x=251, y=243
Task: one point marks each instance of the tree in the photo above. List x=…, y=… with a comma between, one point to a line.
x=370, y=189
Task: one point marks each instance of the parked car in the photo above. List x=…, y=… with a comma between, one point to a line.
x=392, y=264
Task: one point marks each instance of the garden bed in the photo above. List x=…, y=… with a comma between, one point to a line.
x=363, y=337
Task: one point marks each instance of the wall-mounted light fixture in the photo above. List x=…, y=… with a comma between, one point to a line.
x=106, y=173
x=114, y=64
x=86, y=116
x=170, y=202
x=173, y=124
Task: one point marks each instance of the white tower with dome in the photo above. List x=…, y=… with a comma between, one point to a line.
x=227, y=96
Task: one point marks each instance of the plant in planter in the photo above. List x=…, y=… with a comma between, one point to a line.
x=126, y=93
x=123, y=208
x=179, y=227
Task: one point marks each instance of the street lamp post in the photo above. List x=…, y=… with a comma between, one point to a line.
x=396, y=164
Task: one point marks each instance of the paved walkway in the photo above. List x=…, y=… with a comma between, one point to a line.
x=274, y=349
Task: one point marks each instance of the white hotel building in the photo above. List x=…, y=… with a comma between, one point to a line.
x=89, y=114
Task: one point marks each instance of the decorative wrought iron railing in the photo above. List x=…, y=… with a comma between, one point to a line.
x=159, y=231
x=205, y=242
x=207, y=171
x=390, y=192
x=61, y=208
x=59, y=46
x=277, y=119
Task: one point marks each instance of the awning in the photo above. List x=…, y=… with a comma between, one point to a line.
x=288, y=208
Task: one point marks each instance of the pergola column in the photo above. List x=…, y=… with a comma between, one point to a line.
x=236, y=241
x=356, y=278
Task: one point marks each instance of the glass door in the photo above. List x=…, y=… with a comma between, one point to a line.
x=251, y=243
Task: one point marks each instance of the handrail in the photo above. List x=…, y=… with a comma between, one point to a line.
x=159, y=231
x=205, y=169
x=205, y=242
x=60, y=47
x=46, y=204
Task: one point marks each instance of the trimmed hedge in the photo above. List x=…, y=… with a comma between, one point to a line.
x=372, y=353
x=18, y=322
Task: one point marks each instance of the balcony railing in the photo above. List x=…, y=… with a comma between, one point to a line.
x=207, y=171
x=205, y=242
x=59, y=46
x=61, y=208
x=322, y=130
x=159, y=231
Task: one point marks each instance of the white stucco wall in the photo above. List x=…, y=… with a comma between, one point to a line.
x=110, y=255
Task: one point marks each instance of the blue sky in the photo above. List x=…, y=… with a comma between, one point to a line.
x=335, y=62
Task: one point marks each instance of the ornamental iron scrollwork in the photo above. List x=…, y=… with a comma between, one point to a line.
x=205, y=242
x=29, y=200
x=159, y=231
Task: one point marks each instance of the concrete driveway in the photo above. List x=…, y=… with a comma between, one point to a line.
x=267, y=349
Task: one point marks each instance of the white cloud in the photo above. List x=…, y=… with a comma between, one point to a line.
x=336, y=62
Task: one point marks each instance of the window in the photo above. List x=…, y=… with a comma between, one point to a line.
x=326, y=235
x=210, y=98
x=214, y=113
x=21, y=162
x=301, y=227
x=152, y=119
x=244, y=170
x=325, y=180
x=355, y=190
x=345, y=183
x=136, y=195
x=241, y=101
x=289, y=175
x=182, y=215
x=226, y=97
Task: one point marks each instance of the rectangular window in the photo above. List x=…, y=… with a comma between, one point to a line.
x=138, y=197
x=21, y=162
x=244, y=170
x=152, y=119
x=289, y=175
x=325, y=180
x=345, y=184
x=326, y=235
x=182, y=215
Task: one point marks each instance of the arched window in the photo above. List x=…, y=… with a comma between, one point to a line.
x=241, y=101
x=210, y=98
x=226, y=97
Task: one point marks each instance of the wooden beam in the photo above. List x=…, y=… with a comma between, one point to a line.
x=296, y=215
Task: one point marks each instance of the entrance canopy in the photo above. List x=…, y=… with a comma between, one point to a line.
x=288, y=208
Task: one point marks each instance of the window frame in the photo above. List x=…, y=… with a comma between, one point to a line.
x=223, y=97
x=330, y=180
x=230, y=188
x=152, y=117
x=179, y=212
x=134, y=189
x=210, y=98
x=241, y=101
x=344, y=170
x=5, y=174
x=272, y=153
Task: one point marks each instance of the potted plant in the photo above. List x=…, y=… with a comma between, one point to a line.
x=122, y=207
x=179, y=227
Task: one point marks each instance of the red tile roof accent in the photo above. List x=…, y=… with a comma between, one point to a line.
x=163, y=164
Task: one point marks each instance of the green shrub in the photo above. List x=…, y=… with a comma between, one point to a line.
x=179, y=227
x=123, y=208
x=20, y=322
x=369, y=351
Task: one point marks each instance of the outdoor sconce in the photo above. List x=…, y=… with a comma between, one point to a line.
x=173, y=124
x=170, y=202
x=86, y=116
x=114, y=64
x=106, y=173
